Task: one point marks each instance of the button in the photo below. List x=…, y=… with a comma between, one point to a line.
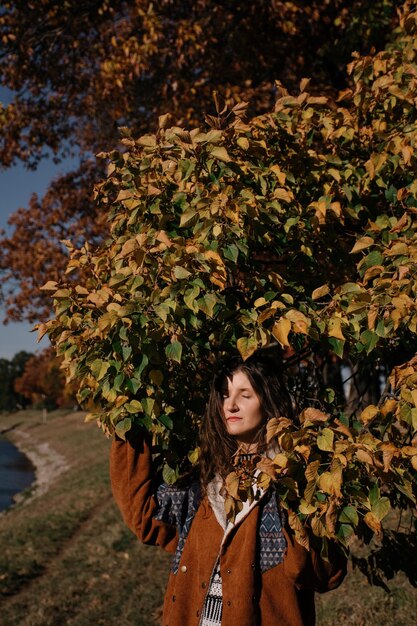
x=252, y=565
x=183, y=568
x=173, y=598
x=198, y=613
x=229, y=603
x=203, y=585
x=253, y=598
x=229, y=571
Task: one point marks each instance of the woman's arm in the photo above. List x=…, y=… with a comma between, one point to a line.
x=308, y=570
x=134, y=491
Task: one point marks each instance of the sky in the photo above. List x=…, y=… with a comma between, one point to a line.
x=16, y=186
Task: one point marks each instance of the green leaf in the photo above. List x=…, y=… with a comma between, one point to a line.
x=325, y=440
x=148, y=405
x=337, y=346
x=373, y=258
x=344, y=534
x=207, y=304
x=374, y=494
x=99, y=368
x=187, y=217
x=349, y=515
x=231, y=252
x=166, y=420
x=170, y=475
x=174, y=351
x=381, y=508
x=134, y=406
x=181, y=273
x=369, y=339
x=190, y=298
x=132, y=385
x=123, y=427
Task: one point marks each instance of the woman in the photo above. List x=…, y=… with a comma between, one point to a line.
x=242, y=573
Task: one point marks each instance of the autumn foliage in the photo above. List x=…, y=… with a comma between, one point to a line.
x=80, y=70
x=296, y=228
x=43, y=382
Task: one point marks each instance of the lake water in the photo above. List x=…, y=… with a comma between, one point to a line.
x=16, y=472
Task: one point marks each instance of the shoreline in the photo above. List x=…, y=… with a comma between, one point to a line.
x=47, y=463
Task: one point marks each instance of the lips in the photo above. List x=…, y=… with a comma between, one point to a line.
x=233, y=418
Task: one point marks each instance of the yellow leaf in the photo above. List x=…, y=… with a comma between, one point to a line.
x=369, y=413
x=389, y=451
x=275, y=425
x=278, y=173
x=311, y=471
x=364, y=457
x=409, y=450
x=300, y=533
x=372, y=317
x=300, y=323
x=51, y=285
x=231, y=484
x=331, y=482
x=414, y=396
x=280, y=330
x=317, y=526
x=336, y=208
x=280, y=460
x=313, y=415
x=243, y=143
x=320, y=291
x=373, y=523
x=283, y=194
x=220, y=153
x=267, y=466
x=246, y=346
x=362, y=244
x=121, y=400
x=334, y=328
x=307, y=508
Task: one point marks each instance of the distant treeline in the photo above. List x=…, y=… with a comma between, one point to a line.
x=10, y=371
x=34, y=380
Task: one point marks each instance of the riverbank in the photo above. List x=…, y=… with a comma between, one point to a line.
x=66, y=557
x=17, y=473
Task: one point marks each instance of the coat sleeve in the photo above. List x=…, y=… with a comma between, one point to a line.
x=308, y=570
x=136, y=493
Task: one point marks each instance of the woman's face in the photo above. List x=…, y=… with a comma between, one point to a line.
x=242, y=408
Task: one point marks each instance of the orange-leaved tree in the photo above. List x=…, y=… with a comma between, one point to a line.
x=79, y=70
x=294, y=228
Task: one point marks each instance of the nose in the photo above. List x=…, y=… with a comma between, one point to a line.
x=230, y=404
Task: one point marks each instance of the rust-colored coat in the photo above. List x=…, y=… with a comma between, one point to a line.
x=281, y=596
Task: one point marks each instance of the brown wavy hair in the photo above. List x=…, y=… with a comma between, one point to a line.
x=267, y=376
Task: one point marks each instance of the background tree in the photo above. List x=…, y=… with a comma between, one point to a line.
x=81, y=70
x=42, y=382
x=10, y=398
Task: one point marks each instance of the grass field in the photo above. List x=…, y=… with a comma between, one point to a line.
x=66, y=557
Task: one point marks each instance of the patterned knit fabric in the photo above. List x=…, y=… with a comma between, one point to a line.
x=212, y=611
x=178, y=506
x=272, y=543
